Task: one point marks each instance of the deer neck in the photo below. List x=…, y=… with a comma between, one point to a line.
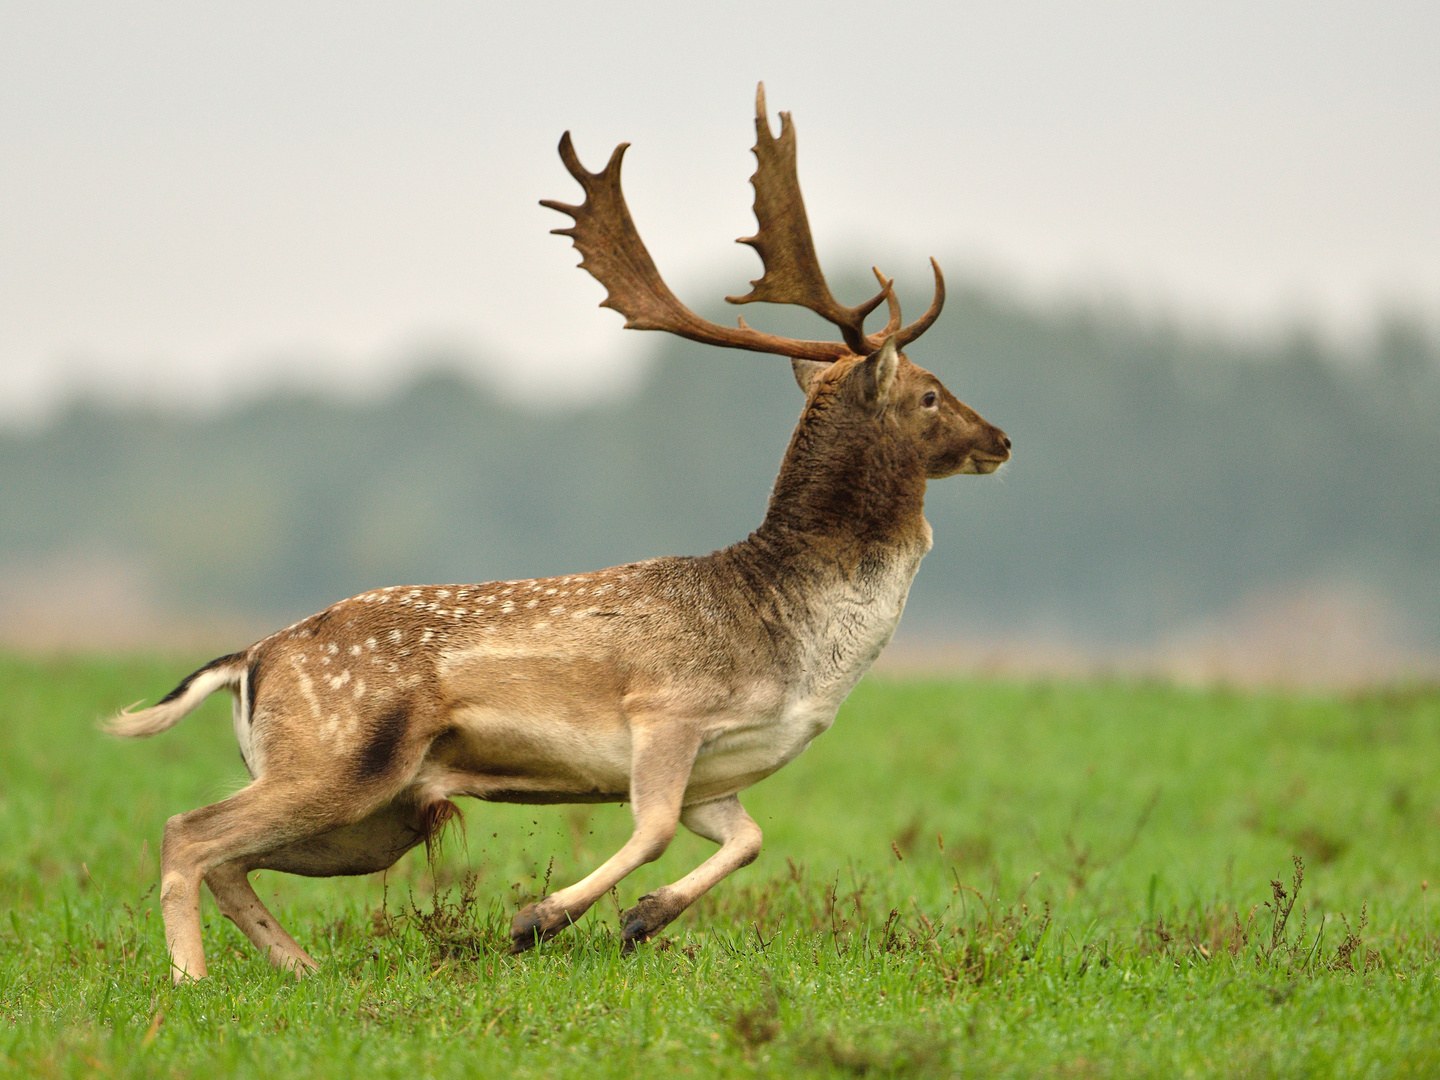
x=840, y=546
x=842, y=486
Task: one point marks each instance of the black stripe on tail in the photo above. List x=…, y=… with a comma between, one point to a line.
x=185, y=682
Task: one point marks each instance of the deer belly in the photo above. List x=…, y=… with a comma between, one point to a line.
x=516, y=758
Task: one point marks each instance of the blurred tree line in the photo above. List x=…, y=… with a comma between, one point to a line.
x=1159, y=476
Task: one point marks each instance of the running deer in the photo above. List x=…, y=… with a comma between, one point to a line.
x=673, y=683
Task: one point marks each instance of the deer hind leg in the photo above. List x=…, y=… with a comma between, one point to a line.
x=259, y=817
x=368, y=846
x=661, y=758
x=234, y=895
x=267, y=816
x=726, y=823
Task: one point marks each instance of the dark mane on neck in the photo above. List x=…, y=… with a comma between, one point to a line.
x=846, y=475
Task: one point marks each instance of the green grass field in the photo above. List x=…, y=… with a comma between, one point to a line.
x=962, y=878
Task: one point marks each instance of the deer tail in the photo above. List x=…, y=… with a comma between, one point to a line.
x=227, y=671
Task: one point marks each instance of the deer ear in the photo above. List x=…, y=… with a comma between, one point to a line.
x=876, y=373
x=806, y=371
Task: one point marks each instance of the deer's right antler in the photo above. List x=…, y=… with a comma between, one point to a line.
x=612, y=251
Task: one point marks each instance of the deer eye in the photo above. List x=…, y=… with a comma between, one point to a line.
x=928, y=401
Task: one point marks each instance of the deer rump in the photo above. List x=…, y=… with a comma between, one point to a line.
x=673, y=683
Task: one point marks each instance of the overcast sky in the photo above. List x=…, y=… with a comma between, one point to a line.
x=199, y=200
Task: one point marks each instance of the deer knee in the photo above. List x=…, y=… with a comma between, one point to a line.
x=653, y=841
x=748, y=842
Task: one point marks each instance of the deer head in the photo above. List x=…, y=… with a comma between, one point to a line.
x=862, y=387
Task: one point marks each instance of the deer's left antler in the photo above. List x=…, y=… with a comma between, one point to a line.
x=612, y=251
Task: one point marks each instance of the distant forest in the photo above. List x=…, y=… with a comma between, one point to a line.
x=1158, y=477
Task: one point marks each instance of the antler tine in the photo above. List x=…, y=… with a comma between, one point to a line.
x=887, y=289
x=612, y=251
x=792, y=269
x=920, y=325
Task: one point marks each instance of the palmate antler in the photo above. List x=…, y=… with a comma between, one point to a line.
x=612, y=251
x=792, y=269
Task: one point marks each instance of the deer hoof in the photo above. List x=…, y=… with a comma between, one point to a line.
x=651, y=914
x=535, y=923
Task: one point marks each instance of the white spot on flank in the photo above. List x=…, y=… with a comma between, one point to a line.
x=354, y=650
x=532, y=603
x=370, y=643
x=443, y=594
x=359, y=690
x=508, y=606
x=332, y=648
x=551, y=592
x=558, y=609
x=459, y=613
x=395, y=636
x=426, y=636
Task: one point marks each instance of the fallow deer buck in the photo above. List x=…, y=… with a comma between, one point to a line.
x=673, y=683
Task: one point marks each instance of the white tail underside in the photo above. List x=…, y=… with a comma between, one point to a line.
x=162, y=717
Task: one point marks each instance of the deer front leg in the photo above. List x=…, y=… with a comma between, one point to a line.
x=661, y=757
x=726, y=823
